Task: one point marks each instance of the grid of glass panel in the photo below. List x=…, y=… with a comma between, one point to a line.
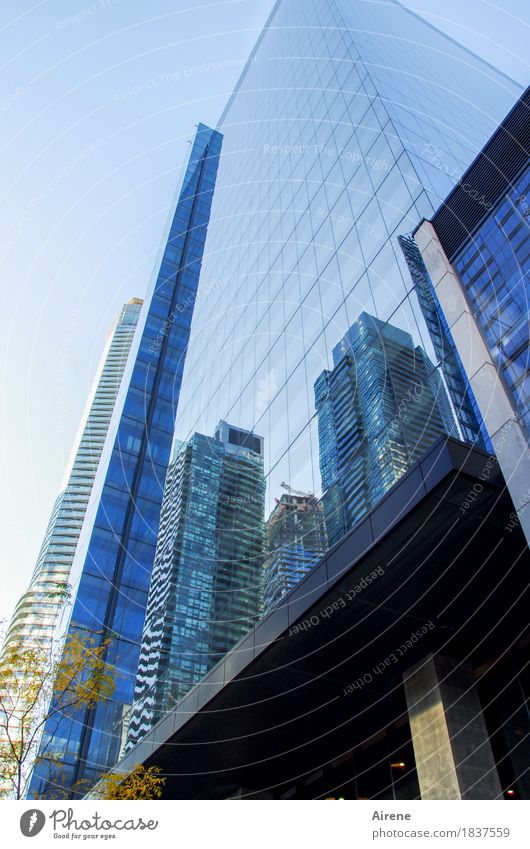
x=494, y=267
x=314, y=186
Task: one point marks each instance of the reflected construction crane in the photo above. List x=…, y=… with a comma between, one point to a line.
x=292, y=491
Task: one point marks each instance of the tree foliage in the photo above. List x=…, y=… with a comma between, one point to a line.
x=140, y=783
x=38, y=685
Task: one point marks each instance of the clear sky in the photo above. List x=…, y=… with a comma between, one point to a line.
x=98, y=99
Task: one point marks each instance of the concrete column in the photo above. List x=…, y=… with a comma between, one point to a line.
x=451, y=744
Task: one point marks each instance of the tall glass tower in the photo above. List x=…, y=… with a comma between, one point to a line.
x=379, y=409
x=36, y=614
x=349, y=124
x=206, y=587
x=471, y=425
x=115, y=562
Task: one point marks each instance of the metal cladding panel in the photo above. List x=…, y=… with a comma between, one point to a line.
x=486, y=180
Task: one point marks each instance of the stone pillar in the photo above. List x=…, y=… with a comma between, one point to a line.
x=451, y=744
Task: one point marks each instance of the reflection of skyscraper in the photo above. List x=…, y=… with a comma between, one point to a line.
x=117, y=548
x=205, y=592
x=470, y=423
x=379, y=409
x=296, y=539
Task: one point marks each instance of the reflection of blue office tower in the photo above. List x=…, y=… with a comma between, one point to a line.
x=379, y=409
x=117, y=546
x=470, y=424
x=296, y=539
x=206, y=588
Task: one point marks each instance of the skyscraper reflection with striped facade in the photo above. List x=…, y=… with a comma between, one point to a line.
x=206, y=590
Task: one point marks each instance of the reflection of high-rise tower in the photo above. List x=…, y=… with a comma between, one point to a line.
x=470, y=423
x=296, y=539
x=379, y=409
x=205, y=591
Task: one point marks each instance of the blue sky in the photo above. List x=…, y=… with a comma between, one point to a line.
x=98, y=101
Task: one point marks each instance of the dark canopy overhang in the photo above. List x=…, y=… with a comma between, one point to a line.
x=442, y=548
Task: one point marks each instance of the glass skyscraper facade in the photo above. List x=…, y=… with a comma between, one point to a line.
x=379, y=409
x=296, y=540
x=494, y=268
x=327, y=159
x=112, y=587
x=206, y=587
